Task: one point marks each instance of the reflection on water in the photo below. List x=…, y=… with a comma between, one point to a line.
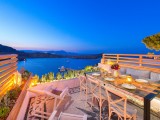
x=44, y=65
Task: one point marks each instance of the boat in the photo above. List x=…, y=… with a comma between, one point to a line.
x=62, y=69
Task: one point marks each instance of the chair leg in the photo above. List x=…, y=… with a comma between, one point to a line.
x=86, y=98
x=92, y=102
x=100, y=113
x=134, y=117
x=109, y=115
x=80, y=93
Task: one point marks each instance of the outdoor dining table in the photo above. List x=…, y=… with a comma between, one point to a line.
x=141, y=95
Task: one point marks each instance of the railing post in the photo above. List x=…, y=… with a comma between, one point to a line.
x=140, y=60
x=103, y=59
x=117, y=58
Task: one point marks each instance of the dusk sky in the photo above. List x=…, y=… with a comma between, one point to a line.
x=79, y=25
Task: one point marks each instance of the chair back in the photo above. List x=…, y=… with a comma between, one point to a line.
x=94, y=84
x=82, y=80
x=116, y=101
x=64, y=93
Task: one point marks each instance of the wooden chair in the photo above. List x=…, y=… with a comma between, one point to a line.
x=96, y=91
x=52, y=116
x=38, y=104
x=117, y=103
x=67, y=116
x=84, y=87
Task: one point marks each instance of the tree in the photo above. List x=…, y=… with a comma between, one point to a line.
x=152, y=42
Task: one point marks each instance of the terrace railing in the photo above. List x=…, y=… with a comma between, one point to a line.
x=8, y=66
x=141, y=61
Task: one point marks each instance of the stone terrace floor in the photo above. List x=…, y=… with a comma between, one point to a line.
x=74, y=104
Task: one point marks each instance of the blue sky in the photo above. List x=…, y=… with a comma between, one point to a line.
x=79, y=25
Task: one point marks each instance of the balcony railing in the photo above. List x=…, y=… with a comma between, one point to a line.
x=140, y=61
x=8, y=66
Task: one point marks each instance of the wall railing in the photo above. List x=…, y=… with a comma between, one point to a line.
x=8, y=66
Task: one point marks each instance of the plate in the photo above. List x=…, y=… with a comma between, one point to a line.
x=129, y=86
x=109, y=79
x=141, y=80
x=95, y=74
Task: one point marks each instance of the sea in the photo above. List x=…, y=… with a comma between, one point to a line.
x=42, y=66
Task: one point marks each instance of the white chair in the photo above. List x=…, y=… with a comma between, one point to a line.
x=38, y=104
x=52, y=116
x=96, y=91
x=118, y=105
x=67, y=116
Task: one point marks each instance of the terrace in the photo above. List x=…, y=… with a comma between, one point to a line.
x=147, y=104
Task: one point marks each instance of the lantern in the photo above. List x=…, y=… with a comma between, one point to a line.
x=17, y=78
x=129, y=79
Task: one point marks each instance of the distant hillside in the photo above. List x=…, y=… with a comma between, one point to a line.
x=6, y=49
x=24, y=54
x=9, y=50
x=59, y=52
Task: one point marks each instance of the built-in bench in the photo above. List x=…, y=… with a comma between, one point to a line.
x=135, y=73
x=138, y=73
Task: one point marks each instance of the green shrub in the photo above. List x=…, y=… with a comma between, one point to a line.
x=25, y=75
x=59, y=76
x=88, y=69
x=43, y=79
x=70, y=74
x=66, y=75
x=4, y=111
x=13, y=94
x=50, y=76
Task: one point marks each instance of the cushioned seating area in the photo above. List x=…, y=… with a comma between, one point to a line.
x=138, y=73
x=155, y=77
x=135, y=73
x=122, y=70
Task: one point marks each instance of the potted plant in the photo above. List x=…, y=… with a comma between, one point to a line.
x=115, y=67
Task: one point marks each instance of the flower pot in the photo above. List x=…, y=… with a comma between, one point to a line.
x=115, y=73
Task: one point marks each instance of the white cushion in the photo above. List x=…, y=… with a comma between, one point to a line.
x=155, y=76
x=122, y=71
x=138, y=73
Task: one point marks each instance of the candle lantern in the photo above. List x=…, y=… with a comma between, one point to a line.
x=129, y=79
x=34, y=80
x=17, y=78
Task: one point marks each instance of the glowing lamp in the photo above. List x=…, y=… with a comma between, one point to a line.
x=129, y=79
x=102, y=61
x=34, y=80
x=17, y=78
x=109, y=62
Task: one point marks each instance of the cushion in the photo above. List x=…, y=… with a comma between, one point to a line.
x=122, y=71
x=138, y=73
x=155, y=77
